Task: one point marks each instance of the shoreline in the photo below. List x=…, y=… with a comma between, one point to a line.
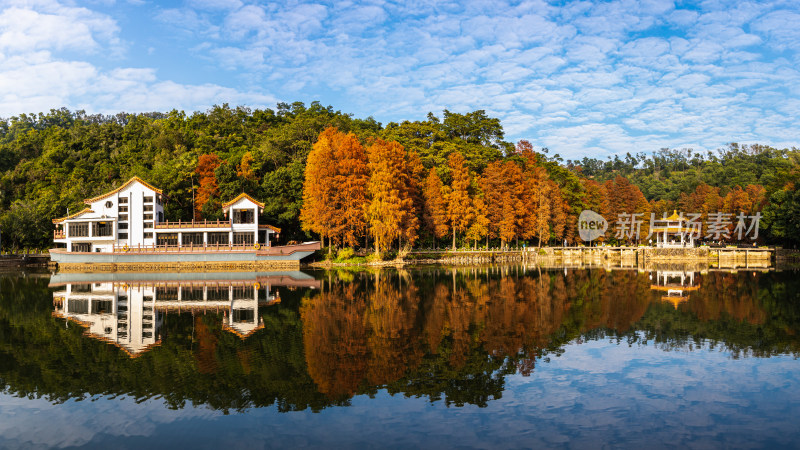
x=721, y=257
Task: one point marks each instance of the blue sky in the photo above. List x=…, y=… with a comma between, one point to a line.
x=584, y=78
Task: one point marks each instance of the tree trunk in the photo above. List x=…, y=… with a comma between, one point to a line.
x=454, y=238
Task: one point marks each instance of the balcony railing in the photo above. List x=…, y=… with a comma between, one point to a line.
x=188, y=248
x=59, y=234
x=195, y=224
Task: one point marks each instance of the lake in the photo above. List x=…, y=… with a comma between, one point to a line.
x=473, y=357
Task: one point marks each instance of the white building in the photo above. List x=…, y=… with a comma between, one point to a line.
x=131, y=217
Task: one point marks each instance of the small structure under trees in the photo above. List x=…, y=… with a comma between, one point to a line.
x=673, y=231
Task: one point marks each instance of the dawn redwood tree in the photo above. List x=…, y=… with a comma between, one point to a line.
x=480, y=222
x=391, y=206
x=491, y=184
x=542, y=211
x=514, y=206
x=334, y=192
x=435, y=205
x=625, y=197
x=208, y=187
x=317, y=214
x=459, y=203
x=412, y=190
x=352, y=176
x=559, y=212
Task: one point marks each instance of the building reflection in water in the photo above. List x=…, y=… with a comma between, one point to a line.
x=127, y=310
x=676, y=285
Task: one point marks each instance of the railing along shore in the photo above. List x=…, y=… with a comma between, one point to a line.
x=188, y=248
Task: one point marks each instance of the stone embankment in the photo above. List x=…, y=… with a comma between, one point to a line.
x=24, y=260
x=723, y=257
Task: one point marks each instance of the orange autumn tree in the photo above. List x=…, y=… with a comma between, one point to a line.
x=559, y=212
x=390, y=213
x=245, y=168
x=704, y=200
x=318, y=211
x=208, y=189
x=596, y=199
x=412, y=190
x=335, y=188
x=514, y=208
x=536, y=192
x=504, y=194
x=541, y=215
x=459, y=203
x=491, y=183
x=626, y=198
x=435, y=206
x=479, y=226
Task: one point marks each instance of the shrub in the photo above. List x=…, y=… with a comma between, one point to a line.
x=344, y=254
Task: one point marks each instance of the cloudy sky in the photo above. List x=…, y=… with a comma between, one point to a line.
x=584, y=78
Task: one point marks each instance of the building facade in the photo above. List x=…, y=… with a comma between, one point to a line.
x=132, y=217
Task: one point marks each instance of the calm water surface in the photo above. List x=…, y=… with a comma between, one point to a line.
x=501, y=357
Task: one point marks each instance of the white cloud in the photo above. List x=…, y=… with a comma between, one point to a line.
x=641, y=69
x=36, y=422
x=34, y=78
x=25, y=30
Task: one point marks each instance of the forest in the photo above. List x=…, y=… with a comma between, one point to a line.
x=449, y=181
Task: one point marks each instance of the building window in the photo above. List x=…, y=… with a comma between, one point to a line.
x=243, y=238
x=123, y=236
x=167, y=239
x=191, y=293
x=243, y=216
x=217, y=293
x=109, y=204
x=123, y=208
x=242, y=292
x=102, y=229
x=148, y=235
x=81, y=247
x=148, y=208
x=167, y=293
x=123, y=226
x=123, y=217
x=217, y=238
x=243, y=315
x=78, y=306
x=148, y=199
x=123, y=200
x=78, y=230
x=148, y=217
x=148, y=224
x=192, y=239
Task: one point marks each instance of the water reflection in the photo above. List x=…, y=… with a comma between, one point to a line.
x=675, y=284
x=312, y=340
x=127, y=310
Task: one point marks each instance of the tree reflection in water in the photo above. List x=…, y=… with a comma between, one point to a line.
x=444, y=334
x=424, y=334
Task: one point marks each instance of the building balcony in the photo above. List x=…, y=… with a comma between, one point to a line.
x=59, y=234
